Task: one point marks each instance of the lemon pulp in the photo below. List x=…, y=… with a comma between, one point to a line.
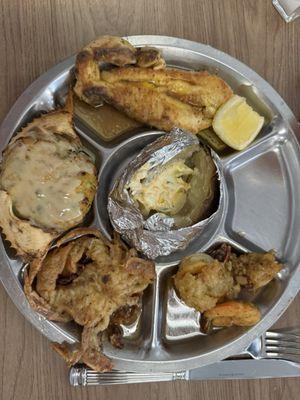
x=236, y=123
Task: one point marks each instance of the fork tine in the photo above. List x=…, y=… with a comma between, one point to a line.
x=284, y=356
x=283, y=335
x=282, y=343
x=281, y=349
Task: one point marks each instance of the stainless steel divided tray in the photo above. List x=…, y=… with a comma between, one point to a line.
x=260, y=210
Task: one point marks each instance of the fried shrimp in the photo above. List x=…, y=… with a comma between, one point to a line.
x=201, y=282
x=239, y=313
x=210, y=283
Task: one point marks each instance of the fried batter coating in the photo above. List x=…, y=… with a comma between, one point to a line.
x=254, y=270
x=234, y=312
x=142, y=87
x=86, y=280
x=202, y=283
x=208, y=284
x=123, y=316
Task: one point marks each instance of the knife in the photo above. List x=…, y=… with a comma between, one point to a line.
x=224, y=370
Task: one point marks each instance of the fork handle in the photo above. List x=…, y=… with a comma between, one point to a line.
x=82, y=376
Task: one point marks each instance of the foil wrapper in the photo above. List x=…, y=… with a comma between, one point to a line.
x=155, y=235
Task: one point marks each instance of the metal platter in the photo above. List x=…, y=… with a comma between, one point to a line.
x=260, y=210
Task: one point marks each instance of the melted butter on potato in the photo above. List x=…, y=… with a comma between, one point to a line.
x=164, y=190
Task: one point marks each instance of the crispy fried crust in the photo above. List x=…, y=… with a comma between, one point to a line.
x=255, y=270
x=208, y=284
x=239, y=313
x=86, y=278
x=143, y=88
x=29, y=241
x=34, y=299
x=201, y=284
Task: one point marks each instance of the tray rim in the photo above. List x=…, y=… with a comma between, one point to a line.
x=10, y=282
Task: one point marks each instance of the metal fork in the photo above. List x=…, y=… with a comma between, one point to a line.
x=283, y=344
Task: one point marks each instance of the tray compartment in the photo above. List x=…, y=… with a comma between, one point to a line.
x=259, y=192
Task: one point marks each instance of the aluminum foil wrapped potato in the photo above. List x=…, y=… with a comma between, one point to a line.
x=167, y=194
x=47, y=182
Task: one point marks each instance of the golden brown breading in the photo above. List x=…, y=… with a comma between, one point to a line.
x=144, y=89
x=29, y=241
x=86, y=280
x=234, y=312
x=202, y=283
x=254, y=270
x=208, y=284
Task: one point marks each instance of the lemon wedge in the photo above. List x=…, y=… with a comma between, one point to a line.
x=236, y=123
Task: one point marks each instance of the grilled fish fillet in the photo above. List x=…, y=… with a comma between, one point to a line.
x=142, y=87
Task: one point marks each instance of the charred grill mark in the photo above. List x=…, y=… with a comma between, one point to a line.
x=83, y=56
x=95, y=94
x=147, y=57
x=117, y=56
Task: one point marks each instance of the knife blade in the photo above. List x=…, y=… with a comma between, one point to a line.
x=246, y=369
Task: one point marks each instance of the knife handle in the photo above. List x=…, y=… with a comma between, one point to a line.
x=79, y=375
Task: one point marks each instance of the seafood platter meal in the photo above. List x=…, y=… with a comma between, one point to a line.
x=149, y=196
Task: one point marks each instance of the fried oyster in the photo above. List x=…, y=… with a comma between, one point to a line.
x=47, y=182
x=87, y=280
x=202, y=281
x=140, y=85
x=210, y=283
